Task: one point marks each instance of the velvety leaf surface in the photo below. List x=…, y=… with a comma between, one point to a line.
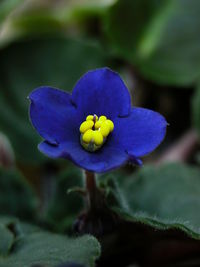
x=58, y=62
x=51, y=249
x=166, y=197
x=161, y=38
x=31, y=245
x=16, y=196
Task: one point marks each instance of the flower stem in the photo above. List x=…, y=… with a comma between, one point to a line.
x=90, y=183
x=97, y=218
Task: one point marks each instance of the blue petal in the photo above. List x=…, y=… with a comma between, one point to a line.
x=139, y=133
x=53, y=115
x=105, y=159
x=53, y=151
x=102, y=92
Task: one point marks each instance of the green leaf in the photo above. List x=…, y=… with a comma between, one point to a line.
x=161, y=38
x=167, y=197
x=8, y=230
x=31, y=245
x=64, y=207
x=24, y=65
x=16, y=195
x=52, y=249
x=6, y=240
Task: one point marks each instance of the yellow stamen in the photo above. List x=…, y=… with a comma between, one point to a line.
x=111, y=124
x=87, y=136
x=98, y=138
x=98, y=124
x=105, y=129
x=86, y=125
x=102, y=118
x=94, y=132
x=89, y=117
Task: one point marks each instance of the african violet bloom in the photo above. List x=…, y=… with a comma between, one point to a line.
x=95, y=127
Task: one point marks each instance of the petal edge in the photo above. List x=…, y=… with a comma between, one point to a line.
x=140, y=133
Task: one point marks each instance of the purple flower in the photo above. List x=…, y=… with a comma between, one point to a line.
x=113, y=132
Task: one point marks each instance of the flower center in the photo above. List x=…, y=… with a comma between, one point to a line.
x=94, y=132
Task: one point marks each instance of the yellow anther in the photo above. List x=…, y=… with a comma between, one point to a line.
x=87, y=136
x=111, y=124
x=92, y=118
x=102, y=118
x=98, y=124
x=98, y=138
x=94, y=132
x=89, y=117
x=86, y=125
x=105, y=129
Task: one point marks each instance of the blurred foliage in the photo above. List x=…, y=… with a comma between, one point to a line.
x=6, y=6
x=50, y=16
x=63, y=208
x=196, y=109
x=7, y=158
x=16, y=195
x=161, y=38
x=7, y=236
x=6, y=240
